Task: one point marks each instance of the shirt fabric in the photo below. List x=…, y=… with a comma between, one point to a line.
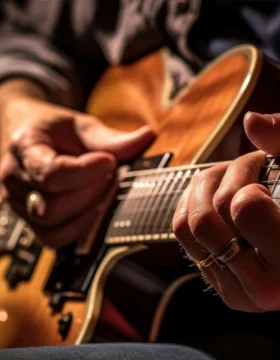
x=65, y=45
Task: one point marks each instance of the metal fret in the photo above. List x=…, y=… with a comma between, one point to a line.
x=270, y=177
x=148, y=203
x=151, y=197
x=169, y=214
x=167, y=199
x=153, y=211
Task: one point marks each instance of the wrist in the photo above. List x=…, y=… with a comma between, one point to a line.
x=13, y=89
x=15, y=95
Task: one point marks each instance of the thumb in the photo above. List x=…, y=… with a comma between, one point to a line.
x=263, y=131
x=124, y=145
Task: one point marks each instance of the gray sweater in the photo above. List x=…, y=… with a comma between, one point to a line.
x=66, y=44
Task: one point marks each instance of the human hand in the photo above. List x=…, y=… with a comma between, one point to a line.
x=69, y=159
x=226, y=202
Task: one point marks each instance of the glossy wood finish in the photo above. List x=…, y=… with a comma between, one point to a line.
x=127, y=97
x=185, y=124
x=26, y=317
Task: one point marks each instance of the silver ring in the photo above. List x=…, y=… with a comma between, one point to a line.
x=229, y=251
x=33, y=203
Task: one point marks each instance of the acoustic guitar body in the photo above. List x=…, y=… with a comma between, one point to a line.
x=132, y=282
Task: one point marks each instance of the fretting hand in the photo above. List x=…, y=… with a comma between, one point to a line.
x=227, y=202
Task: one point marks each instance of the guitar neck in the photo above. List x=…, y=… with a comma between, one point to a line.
x=147, y=202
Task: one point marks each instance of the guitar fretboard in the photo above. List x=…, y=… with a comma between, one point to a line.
x=270, y=177
x=148, y=201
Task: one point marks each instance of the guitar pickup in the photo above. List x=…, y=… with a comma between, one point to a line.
x=24, y=260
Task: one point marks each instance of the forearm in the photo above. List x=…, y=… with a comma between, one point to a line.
x=15, y=87
x=12, y=94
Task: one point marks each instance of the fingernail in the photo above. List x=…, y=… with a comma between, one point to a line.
x=264, y=118
x=247, y=115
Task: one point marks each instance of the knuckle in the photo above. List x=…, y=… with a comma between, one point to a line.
x=222, y=201
x=243, y=203
x=180, y=225
x=250, y=165
x=200, y=220
x=18, y=138
x=200, y=176
x=45, y=177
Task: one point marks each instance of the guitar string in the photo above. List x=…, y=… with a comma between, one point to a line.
x=162, y=208
x=126, y=184
x=143, y=198
x=140, y=205
x=135, y=198
x=114, y=229
x=184, y=185
x=125, y=220
x=166, y=170
x=156, y=202
x=174, y=201
x=147, y=196
x=182, y=167
x=272, y=184
x=152, y=199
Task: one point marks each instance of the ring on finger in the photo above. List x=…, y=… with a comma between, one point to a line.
x=208, y=261
x=228, y=252
x=233, y=247
x=34, y=204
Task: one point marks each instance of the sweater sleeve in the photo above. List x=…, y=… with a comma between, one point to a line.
x=27, y=49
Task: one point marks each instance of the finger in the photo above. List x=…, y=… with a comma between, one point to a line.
x=231, y=290
x=15, y=182
x=52, y=210
x=76, y=229
x=258, y=219
x=205, y=224
x=184, y=236
x=213, y=233
x=193, y=204
x=124, y=145
x=259, y=280
x=241, y=172
x=11, y=171
x=55, y=173
x=263, y=131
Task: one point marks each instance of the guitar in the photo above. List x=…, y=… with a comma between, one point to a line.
x=119, y=285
